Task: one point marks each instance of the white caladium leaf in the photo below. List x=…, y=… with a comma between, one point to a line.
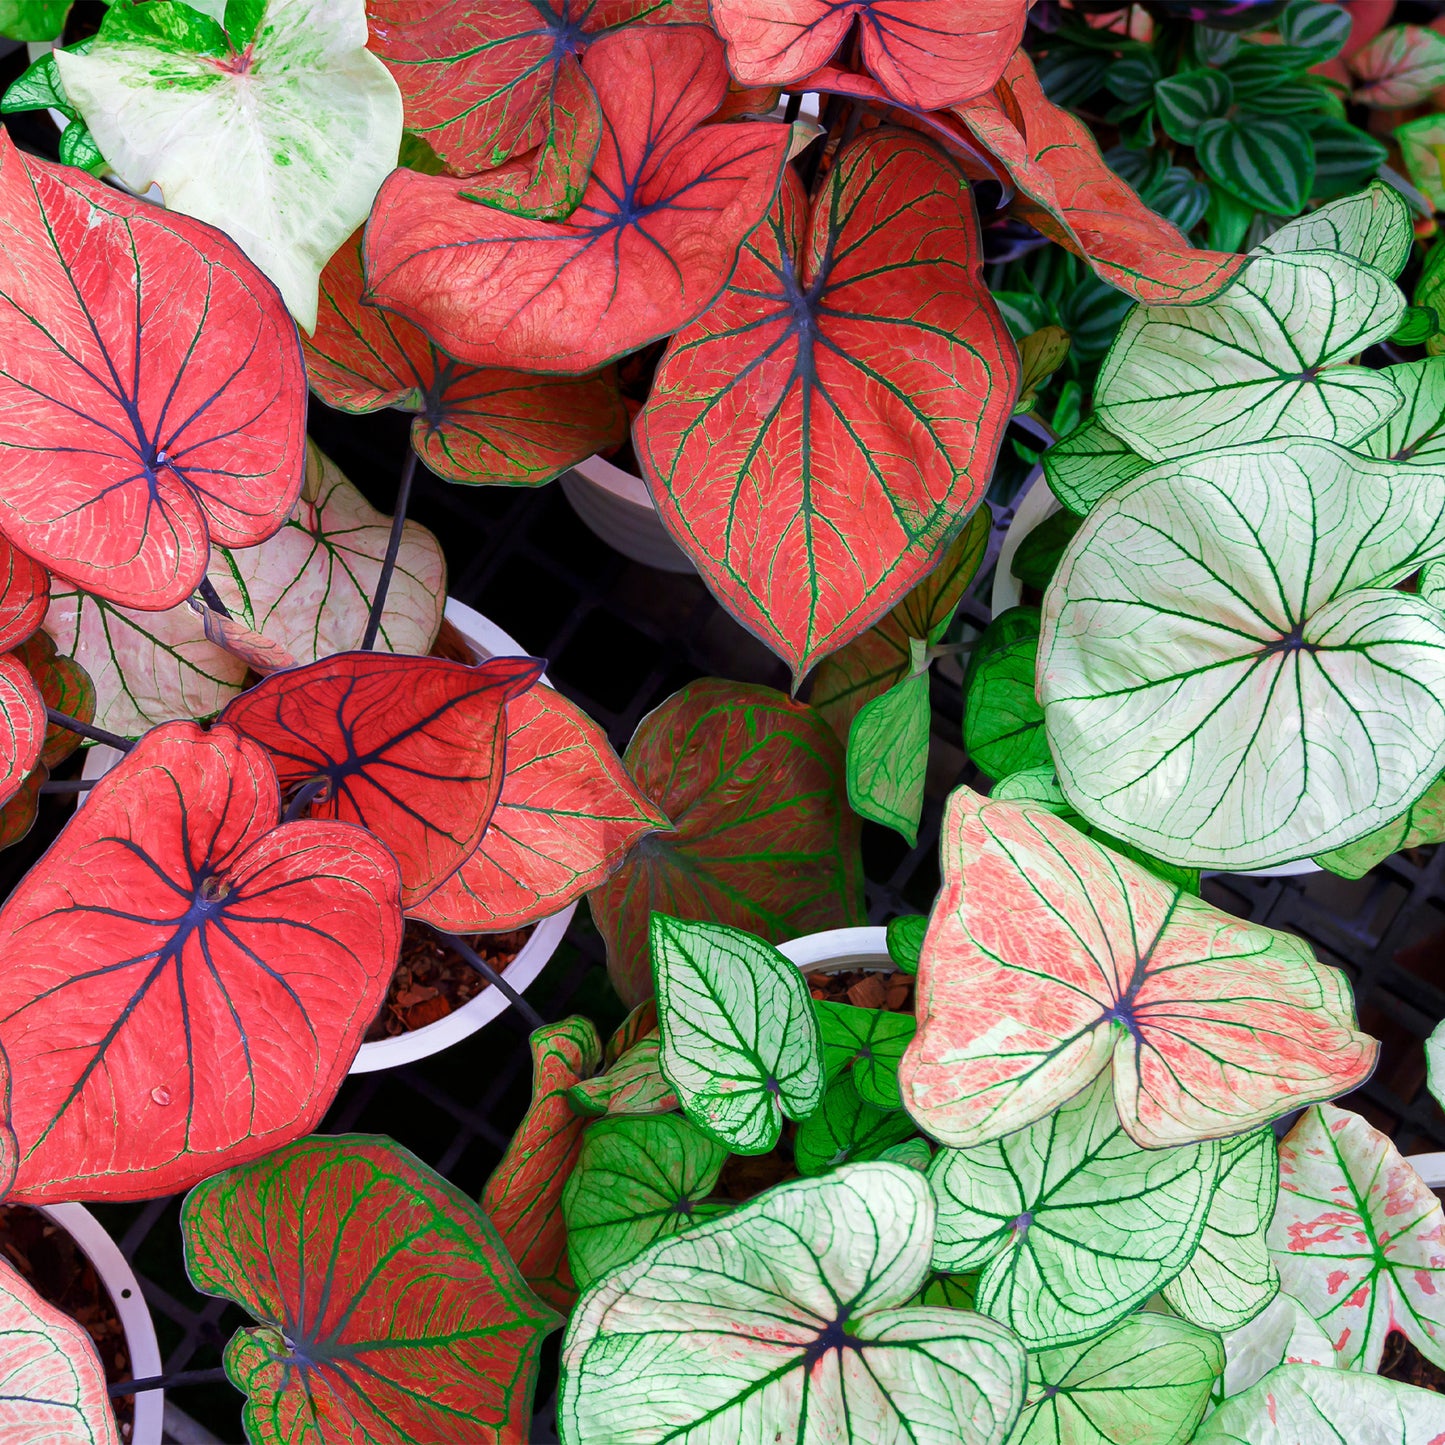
x=1283, y=1333
x=1262, y=359
x=1359, y=1238
x=786, y=1319
x=740, y=1041
x=1420, y=824
x=1147, y=1379
x=1229, y=679
x=1074, y=1224
x=282, y=141
x=1374, y=226
x=1416, y=433
x=1231, y=1277
x=1083, y=465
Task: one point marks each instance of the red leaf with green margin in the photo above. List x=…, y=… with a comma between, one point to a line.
x=926, y=53
x=816, y=435
x=649, y=247
x=186, y=982
x=65, y=686
x=389, y=1308
x=410, y=747
x=24, y=595
x=764, y=839
x=473, y=424
x=22, y=724
x=566, y=817
x=523, y=1196
x=17, y=817
x=152, y=396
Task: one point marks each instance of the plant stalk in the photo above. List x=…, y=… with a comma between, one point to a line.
x=68, y=785
x=165, y=1382
x=212, y=598
x=302, y=798
x=494, y=978
x=393, y=547
x=88, y=730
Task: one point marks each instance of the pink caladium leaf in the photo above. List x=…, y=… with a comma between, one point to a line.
x=1050, y=959
x=22, y=724
x=24, y=595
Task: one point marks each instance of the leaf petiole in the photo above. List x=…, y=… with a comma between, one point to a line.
x=393, y=547
x=89, y=730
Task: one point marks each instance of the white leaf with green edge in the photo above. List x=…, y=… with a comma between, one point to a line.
x=636, y=1181
x=1148, y=1379
x=740, y=1041
x=1230, y=1277
x=1084, y=465
x=1283, y=1333
x=38, y=88
x=633, y=1085
x=1416, y=433
x=888, y=751
x=1266, y=162
x=1260, y=360
x=283, y=148
x=1315, y=1405
x=905, y=939
x=1228, y=678
x=1359, y=1238
x=787, y=1319
x=916, y=1154
x=1422, y=144
x=1374, y=226
x=1421, y=824
x=1003, y=724
x=1185, y=101
x=846, y=1128
x=1431, y=584
x=1074, y=1224
x=870, y=1042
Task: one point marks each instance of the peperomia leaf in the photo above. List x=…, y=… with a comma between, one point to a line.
x=633, y=1084
x=888, y=753
x=1186, y=100
x=308, y=121
x=1359, y=1238
x=1374, y=226
x=1399, y=67
x=1050, y=960
x=846, y=1127
x=1421, y=823
x=387, y=1306
x=637, y=1181
x=869, y=1042
x=1265, y=161
x=1003, y=724
x=905, y=940
x=789, y=1316
x=740, y=1041
x=1283, y=1333
x=1416, y=433
x=1086, y=463
x=1229, y=678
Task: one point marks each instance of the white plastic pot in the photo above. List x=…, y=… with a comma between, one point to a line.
x=838, y=949
x=617, y=507
x=1430, y=1168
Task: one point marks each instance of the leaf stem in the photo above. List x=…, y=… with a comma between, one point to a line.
x=301, y=799
x=165, y=1382
x=88, y=730
x=67, y=785
x=212, y=598
x=494, y=978
x=393, y=547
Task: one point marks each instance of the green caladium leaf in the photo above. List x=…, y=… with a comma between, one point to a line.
x=634, y=1084
x=1266, y=162
x=1147, y=1379
x=33, y=20
x=1359, y=1238
x=1230, y=619
x=914, y=1153
x=1003, y=724
x=1037, y=558
x=1074, y=1224
x=1083, y=465
x=636, y=1181
x=1260, y=360
x=1417, y=327
x=1420, y=824
x=1185, y=101
x=308, y=121
x=1283, y=1333
x=1374, y=226
x=870, y=1041
x=888, y=751
x=1231, y=1278
x=952, y=1291
x=1416, y=433
x=905, y=939
x=740, y=1039
x=846, y=1128
x=789, y=1318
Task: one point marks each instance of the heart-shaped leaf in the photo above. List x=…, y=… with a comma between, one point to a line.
x=387, y=1305
x=1069, y=1199
x=1088, y=462
x=1399, y=67
x=210, y=972
x=812, y=439
x=1003, y=724
x=633, y=1084
x=153, y=397
x=65, y=686
x=1229, y=678
x=739, y=1039
x=1375, y=226
x=308, y=121
x=1416, y=433
x=763, y=839
x=905, y=940
x=523, y=1196
x=22, y=724
x=1283, y=1333
x=1050, y=960
x=789, y=1315
x=24, y=595
x=1422, y=823
x=846, y=1127
x=1265, y=161
x=867, y=1041
x=1420, y=144
x=888, y=754
x=649, y=246
x=1186, y=100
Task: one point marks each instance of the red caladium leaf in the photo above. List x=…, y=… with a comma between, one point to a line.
x=389, y=1309
x=1049, y=959
x=65, y=686
x=24, y=595
x=186, y=982
x=523, y=1197
x=648, y=248
x=153, y=397
x=22, y=724
x=816, y=435
x=17, y=817
x=926, y=53
x=764, y=839
x=567, y=815
x=472, y=424
x=410, y=747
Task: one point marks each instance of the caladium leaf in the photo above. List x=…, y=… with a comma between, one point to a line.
x=153, y=392
x=633, y=1084
x=1188, y=653
x=905, y=940
x=739, y=1039
x=211, y=972
x=65, y=686
x=1416, y=433
x=566, y=817
x=763, y=836
x=637, y=1181
x=789, y=1314
x=1260, y=361
x=1148, y=1379
x=1422, y=823
x=309, y=122
x=1420, y=144
x=22, y=724
x=1003, y=724
x=410, y=747
x=472, y=425
x=1050, y=960
x=640, y=1023
x=523, y=1196
x=1231, y=1278
x=1283, y=1333
x=17, y=817
x=1070, y=1198
x=888, y=753
x=386, y=1304
x=1359, y=1238
x=52, y=1386
x=1399, y=67
x=915, y=1153
x=869, y=1042
x=1083, y=465
x=846, y=1127
x=763, y=438
x=24, y=595
x=32, y=20
x=1373, y=225
x=496, y=289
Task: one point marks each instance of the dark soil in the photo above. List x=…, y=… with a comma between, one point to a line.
x=865, y=988
x=745, y=1175
x=1402, y=1361
x=53, y=1265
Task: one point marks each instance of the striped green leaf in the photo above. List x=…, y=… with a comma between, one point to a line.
x=846, y=1128
x=1345, y=156
x=1185, y=101
x=867, y=1041
x=1267, y=162
x=1003, y=724
x=1314, y=30
x=1374, y=226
